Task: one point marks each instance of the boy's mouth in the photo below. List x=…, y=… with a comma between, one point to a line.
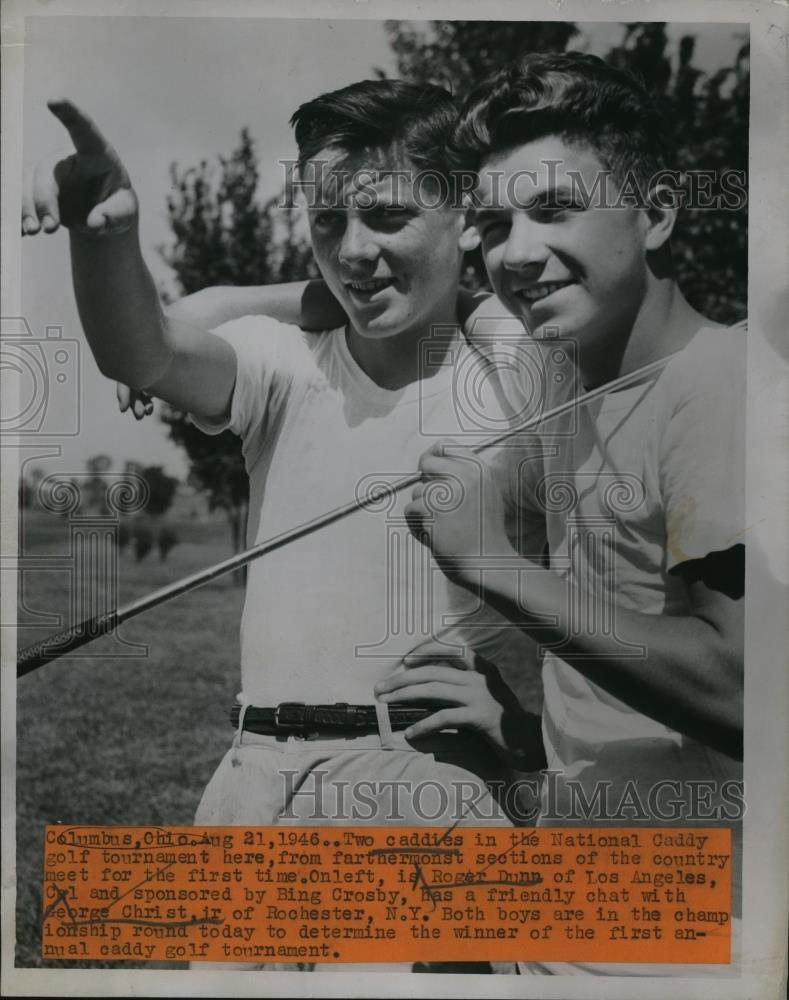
x=368, y=288
x=541, y=290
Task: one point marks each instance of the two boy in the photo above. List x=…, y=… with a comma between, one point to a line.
x=640, y=610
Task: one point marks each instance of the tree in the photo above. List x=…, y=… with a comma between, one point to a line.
x=161, y=490
x=24, y=493
x=709, y=118
x=460, y=54
x=216, y=467
x=124, y=535
x=29, y=482
x=95, y=487
x=224, y=234
x=166, y=540
x=143, y=540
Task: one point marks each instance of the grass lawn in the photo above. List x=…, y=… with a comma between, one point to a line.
x=104, y=740
x=109, y=740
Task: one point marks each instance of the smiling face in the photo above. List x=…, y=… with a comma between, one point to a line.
x=556, y=258
x=386, y=249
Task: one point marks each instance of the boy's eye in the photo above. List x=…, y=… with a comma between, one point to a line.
x=387, y=215
x=550, y=208
x=325, y=220
x=490, y=229
x=547, y=213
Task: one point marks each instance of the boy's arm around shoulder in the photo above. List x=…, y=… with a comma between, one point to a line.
x=306, y=304
x=200, y=373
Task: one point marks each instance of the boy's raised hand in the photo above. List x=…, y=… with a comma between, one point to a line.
x=86, y=191
x=132, y=339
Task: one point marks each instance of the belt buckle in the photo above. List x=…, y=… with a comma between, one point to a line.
x=290, y=715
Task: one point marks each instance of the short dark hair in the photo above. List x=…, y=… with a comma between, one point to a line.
x=376, y=114
x=576, y=96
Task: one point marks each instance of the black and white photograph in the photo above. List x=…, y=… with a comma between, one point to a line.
x=394, y=445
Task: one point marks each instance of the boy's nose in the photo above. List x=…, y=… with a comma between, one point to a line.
x=357, y=244
x=525, y=249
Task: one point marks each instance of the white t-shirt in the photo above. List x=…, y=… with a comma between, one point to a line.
x=625, y=489
x=628, y=487
x=328, y=616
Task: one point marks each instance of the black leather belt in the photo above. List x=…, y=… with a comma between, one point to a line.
x=293, y=718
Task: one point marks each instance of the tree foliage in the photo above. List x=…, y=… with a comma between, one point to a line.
x=94, y=490
x=460, y=54
x=143, y=540
x=709, y=115
x=168, y=538
x=223, y=233
x=161, y=490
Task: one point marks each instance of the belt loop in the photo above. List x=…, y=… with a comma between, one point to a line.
x=242, y=711
x=384, y=725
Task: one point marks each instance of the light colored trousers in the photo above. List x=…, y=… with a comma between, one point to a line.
x=373, y=780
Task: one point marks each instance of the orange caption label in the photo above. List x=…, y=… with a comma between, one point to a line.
x=361, y=894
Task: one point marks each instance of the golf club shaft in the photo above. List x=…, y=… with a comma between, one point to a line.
x=66, y=641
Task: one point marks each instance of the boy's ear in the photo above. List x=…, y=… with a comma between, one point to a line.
x=469, y=238
x=661, y=216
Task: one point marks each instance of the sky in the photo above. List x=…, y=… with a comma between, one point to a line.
x=180, y=89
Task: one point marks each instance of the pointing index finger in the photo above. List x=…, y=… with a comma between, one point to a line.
x=84, y=133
